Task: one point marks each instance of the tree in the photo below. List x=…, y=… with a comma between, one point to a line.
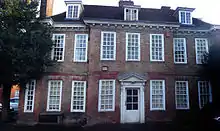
x=25, y=45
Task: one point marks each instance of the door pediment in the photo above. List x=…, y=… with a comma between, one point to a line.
x=132, y=77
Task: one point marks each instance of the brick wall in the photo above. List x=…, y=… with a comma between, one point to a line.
x=91, y=72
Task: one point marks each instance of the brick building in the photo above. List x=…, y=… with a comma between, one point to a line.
x=121, y=64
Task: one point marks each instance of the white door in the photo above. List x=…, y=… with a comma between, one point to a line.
x=132, y=105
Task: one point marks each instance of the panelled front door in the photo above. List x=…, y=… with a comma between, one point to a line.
x=132, y=105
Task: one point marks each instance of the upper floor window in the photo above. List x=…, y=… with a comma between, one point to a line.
x=179, y=47
x=205, y=94
x=58, y=47
x=185, y=17
x=108, y=46
x=201, y=45
x=73, y=11
x=156, y=47
x=80, y=48
x=133, y=46
x=130, y=14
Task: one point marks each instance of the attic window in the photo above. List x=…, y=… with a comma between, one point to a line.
x=130, y=14
x=73, y=11
x=185, y=17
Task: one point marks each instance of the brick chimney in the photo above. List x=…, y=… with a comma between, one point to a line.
x=126, y=3
x=43, y=8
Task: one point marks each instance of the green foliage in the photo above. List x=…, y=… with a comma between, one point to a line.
x=25, y=43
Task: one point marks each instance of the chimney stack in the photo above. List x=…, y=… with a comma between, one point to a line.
x=43, y=8
x=126, y=3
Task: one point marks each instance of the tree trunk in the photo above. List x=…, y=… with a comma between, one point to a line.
x=6, y=102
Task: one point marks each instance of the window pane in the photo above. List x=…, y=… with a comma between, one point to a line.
x=78, y=95
x=106, y=96
x=58, y=49
x=181, y=88
x=55, y=87
x=157, y=94
x=80, y=47
x=179, y=50
x=201, y=49
x=133, y=46
x=157, y=46
x=204, y=93
x=108, y=45
x=29, y=96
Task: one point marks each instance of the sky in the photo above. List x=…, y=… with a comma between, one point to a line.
x=207, y=10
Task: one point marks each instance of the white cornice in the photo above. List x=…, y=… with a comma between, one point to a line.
x=93, y=22
x=69, y=25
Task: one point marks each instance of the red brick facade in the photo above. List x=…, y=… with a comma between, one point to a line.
x=91, y=72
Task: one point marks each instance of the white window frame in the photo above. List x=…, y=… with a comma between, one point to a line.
x=78, y=13
x=132, y=9
x=185, y=17
x=72, y=94
x=210, y=93
x=48, y=95
x=207, y=48
x=114, y=54
x=185, y=51
x=86, y=52
x=64, y=44
x=164, y=97
x=26, y=97
x=187, y=95
x=139, y=49
x=162, y=36
x=99, y=99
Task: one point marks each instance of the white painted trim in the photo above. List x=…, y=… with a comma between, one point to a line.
x=48, y=94
x=78, y=13
x=26, y=97
x=191, y=22
x=185, y=52
x=131, y=14
x=101, y=51
x=68, y=25
x=130, y=23
x=187, y=93
x=162, y=36
x=207, y=48
x=86, y=53
x=99, y=99
x=127, y=85
x=139, y=47
x=72, y=94
x=64, y=44
x=164, y=100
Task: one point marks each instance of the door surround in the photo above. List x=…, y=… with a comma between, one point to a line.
x=132, y=80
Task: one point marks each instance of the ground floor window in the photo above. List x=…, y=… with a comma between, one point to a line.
x=78, y=98
x=29, y=96
x=54, y=95
x=157, y=95
x=182, y=95
x=106, y=95
x=205, y=95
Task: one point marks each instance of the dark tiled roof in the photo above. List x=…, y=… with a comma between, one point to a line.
x=113, y=13
x=117, y=13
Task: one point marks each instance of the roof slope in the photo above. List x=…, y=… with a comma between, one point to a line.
x=114, y=13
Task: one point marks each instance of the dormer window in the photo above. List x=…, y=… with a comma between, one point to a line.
x=185, y=17
x=73, y=11
x=130, y=14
